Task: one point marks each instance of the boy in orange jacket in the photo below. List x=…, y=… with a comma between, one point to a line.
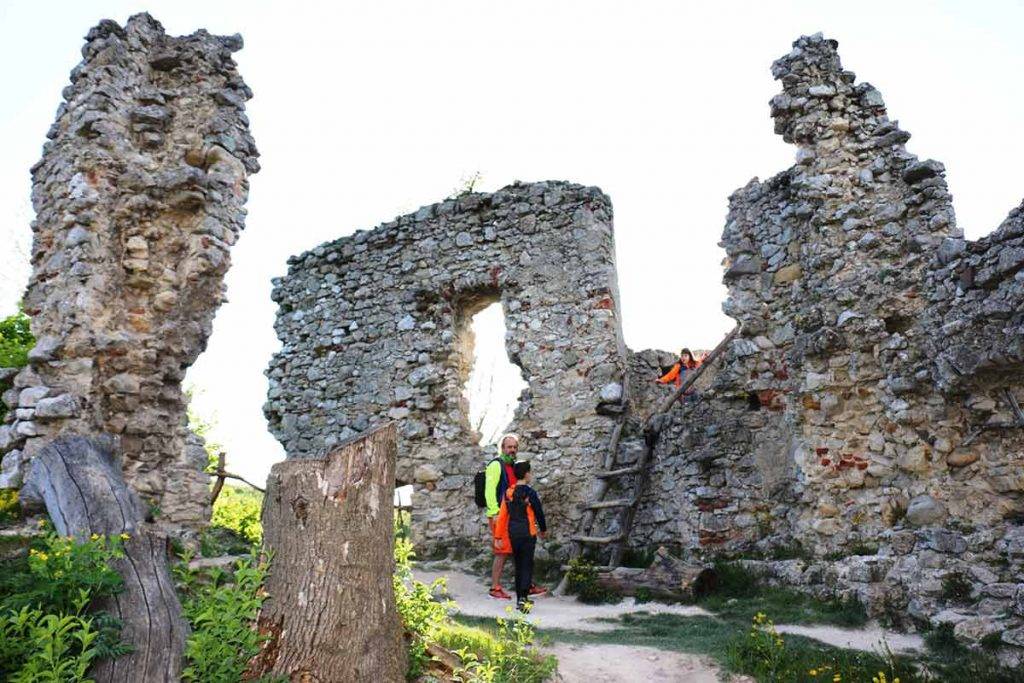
x=520, y=521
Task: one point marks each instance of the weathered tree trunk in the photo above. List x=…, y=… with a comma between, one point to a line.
x=80, y=481
x=667, y=578
x=330, y=613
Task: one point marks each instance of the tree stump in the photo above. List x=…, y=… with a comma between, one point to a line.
x=668, y=578
x=330, y=612
x=80, y=481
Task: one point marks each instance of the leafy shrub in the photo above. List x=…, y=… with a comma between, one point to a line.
x=505, y=656
x=10, y=508
x=45, y=634
x=583, y=583
x=16, y=341
x=421, y=615
x=45, y=647
x=238, y=509
x=221, y=607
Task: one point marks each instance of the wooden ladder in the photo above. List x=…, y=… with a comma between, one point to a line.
x=611, y=470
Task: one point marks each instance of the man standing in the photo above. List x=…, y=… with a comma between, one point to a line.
x=499, y=476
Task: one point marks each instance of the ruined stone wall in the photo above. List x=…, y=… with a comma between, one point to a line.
x=866, y=412
x=138, y=198
x=374, y=327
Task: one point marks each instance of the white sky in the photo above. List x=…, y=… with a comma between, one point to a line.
x=365, y=110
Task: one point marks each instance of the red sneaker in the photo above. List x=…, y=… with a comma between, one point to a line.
x=537, y=590
x=498, y=593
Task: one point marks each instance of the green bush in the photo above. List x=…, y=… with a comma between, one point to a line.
x=504, y=656
x=421, y=615
x=221, y=607
x=45, y=633
x=10, y=507
x=238, y=509
x=583, y=584
x=16, y=341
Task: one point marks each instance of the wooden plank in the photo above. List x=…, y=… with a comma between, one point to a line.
x=603, y=504
x=622, y=471
x=597, y=540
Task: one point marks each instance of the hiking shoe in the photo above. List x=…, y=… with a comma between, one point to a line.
x=498, y=593
x=537, y=590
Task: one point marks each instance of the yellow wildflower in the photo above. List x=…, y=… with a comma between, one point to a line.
x=124, y=537
x=94, y=537
x=813, y=672
x=836, y=678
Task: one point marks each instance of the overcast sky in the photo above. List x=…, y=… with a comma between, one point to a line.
x=366, y=110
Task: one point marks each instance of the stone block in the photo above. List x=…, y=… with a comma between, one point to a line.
x=62, y=406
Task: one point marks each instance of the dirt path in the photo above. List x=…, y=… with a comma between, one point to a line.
x=549, y=611
x=620, y=663
x=609, y=663
x=869, y=638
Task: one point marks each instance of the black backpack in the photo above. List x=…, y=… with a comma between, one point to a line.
x=480, y=486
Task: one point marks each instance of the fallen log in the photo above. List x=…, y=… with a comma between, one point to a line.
x=330, y=613
x=668, y=578
x=79, y=480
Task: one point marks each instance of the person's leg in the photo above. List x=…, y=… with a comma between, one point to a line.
x=529, y=548
x=496, y=569
x=518, y=553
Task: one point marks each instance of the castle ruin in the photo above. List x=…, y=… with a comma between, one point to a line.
x=862, y=436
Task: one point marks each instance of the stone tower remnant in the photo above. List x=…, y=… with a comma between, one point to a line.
x=138, y=198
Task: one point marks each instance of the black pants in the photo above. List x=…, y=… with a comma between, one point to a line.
x=523, y=548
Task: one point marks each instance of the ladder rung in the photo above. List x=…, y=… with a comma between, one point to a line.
x=598, y=540
x=608, y=474
x=602, y=504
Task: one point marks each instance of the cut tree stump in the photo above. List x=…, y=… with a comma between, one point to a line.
x=80, y=481
x=668, y=578
x=330, y=612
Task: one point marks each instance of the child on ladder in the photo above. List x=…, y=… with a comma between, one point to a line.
x=520, y=521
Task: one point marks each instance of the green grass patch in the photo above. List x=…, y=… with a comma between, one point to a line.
x=739, y=597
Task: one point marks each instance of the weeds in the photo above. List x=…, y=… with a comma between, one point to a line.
x=583, y=583
x=740, y=596
x=956, y=588
x=221, y=608
x=46, y=630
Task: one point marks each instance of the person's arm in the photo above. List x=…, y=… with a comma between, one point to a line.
x=670, y=376
x=492, y=475
x=538, y=511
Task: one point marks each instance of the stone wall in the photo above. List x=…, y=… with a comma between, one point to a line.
x=375, y=327
x=864, y=422
x=138, y=198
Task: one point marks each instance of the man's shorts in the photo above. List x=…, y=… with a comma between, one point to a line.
x=501, y=545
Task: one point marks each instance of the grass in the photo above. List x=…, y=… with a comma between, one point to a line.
x=493, y=647
x=739, y=597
